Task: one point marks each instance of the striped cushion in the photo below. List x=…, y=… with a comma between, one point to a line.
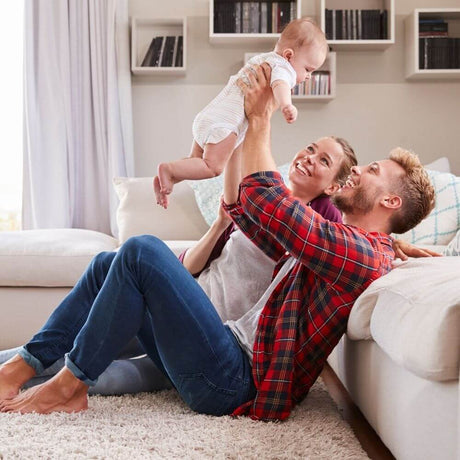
x=442, y=224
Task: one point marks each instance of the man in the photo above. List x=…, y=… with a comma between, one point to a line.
x=289, y=332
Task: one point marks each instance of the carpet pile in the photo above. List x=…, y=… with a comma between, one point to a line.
x=160, y=426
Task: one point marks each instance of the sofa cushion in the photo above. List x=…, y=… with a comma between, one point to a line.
x=209, y=191
x=138, y=213
x=51, y=257
x=444, y=221
x=413, y=313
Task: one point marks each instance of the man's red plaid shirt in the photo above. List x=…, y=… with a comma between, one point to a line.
x=307, y=312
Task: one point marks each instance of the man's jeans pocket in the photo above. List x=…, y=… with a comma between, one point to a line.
x=205, y=397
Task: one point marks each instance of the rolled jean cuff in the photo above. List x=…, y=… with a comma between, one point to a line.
x=31, y=360
x=77, y=372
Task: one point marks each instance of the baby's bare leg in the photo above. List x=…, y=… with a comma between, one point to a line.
x=202, y=164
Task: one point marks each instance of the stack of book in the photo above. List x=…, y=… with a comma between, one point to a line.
x=165, y=52
x=252, y=17
x=356, y=24
x=318, y=85
x=436, y=49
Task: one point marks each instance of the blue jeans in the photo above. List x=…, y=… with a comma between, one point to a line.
x=132, y=372
x=144, y=291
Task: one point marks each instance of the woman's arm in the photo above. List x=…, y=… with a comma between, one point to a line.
x=196, y=258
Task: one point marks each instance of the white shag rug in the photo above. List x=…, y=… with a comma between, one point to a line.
x=160, y=426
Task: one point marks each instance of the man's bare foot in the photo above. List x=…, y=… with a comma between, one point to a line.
x=162, y=198
x=63, y=393
x=13, y=374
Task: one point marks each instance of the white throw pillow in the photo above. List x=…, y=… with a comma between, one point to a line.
x=209, y=191
x=138, y=213
x=413, y=313
x=444, y=221
x=441, y=165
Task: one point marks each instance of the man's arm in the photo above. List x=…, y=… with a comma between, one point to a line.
x=259, y=104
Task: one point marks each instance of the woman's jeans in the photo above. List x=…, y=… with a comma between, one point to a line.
x=144, y=291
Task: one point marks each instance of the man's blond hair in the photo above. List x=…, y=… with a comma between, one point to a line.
x=415, y=189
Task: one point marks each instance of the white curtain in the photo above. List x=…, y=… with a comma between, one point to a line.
x=78, y=112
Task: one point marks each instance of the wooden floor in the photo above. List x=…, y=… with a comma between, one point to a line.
x=366, y=435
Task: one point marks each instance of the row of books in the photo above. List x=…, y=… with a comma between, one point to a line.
x=356, y=24
x=439, y=53
x=433, y=28
x=165, y=52
x=318, y=85
x=252, y=17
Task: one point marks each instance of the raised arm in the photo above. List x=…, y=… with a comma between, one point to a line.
x=211, y=244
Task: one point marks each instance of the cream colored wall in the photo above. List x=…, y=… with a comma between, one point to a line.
x=375, y=108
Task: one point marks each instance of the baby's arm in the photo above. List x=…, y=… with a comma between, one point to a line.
x=282, y=93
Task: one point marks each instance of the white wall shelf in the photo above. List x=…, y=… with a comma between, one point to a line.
x=413, y=70
x=143, y=30
x=246, y=38
x=361, y=44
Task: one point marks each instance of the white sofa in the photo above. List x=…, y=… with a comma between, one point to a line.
x=399, y=360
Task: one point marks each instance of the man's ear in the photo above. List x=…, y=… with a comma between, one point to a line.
x=391, y=201
x=288, y=53
x=334, y=187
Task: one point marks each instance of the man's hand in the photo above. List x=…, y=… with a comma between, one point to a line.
x=258, y=95
x=405, y=250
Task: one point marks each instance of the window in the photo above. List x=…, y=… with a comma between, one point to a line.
x=11, y=113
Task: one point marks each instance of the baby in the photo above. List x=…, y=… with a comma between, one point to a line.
x=221, y=126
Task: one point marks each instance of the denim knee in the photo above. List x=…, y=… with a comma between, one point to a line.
x=101, y=262
x=137, y=245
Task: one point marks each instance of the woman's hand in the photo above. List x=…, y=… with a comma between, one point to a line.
x=405, y=250
x=223, y=220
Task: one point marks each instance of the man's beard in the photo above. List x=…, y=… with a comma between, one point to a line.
x=359, y=203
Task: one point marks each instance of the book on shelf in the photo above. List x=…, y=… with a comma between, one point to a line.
x=318, y=85
x=354, y=24
x=439, y=53
x=436, y=49
x=252, y=17
x=164, y=51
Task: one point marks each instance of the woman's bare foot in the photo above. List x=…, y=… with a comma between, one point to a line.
x=162, y=198
x=63, y=393
x=13, y=374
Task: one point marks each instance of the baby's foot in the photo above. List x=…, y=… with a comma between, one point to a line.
x=165, y=177
x=289, y=113
x=162, y=198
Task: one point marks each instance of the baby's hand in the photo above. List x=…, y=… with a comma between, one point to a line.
x=289, y=113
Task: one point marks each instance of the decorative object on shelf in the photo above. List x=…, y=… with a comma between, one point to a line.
x=158, y=46
x=433, y=43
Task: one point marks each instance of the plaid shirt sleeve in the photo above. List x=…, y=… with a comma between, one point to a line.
x=335, y=252
x=262, y=239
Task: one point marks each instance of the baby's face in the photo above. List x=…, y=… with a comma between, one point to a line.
x=306, y=60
